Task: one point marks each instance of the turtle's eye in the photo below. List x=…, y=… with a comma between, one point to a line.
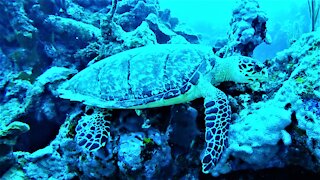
x=252, y=70
x=257, y=68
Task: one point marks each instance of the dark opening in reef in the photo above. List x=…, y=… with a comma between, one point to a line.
x=294, y=122
x=161, y=37
x=45, y=118
x=40, y=135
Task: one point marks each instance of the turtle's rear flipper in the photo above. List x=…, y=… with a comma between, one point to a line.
x=93, y=129
x=218, y=115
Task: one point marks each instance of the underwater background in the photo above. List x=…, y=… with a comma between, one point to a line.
x=274, y=128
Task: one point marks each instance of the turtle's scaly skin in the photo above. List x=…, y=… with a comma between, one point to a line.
x=161, y=75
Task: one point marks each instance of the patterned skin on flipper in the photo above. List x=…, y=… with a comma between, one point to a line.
x=93, y=129
x=218, y=116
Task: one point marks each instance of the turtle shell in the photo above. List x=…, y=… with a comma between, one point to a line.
x=139, y=76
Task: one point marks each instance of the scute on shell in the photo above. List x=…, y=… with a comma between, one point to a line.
x=138, y=76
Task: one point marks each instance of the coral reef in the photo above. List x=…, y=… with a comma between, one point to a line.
x=44, y=43
x=8, y=138
x=272, y=133
x=247, y=30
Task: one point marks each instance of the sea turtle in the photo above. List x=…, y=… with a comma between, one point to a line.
x=161, y=75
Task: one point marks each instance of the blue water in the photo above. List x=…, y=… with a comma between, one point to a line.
x=287, y=20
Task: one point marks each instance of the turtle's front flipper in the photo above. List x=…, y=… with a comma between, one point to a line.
x=93, y=129
x=218, y=115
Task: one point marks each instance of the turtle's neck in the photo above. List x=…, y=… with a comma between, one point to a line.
x=222, y=71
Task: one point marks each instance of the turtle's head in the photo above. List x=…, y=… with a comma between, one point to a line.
x=240, y=69
x=249, y=70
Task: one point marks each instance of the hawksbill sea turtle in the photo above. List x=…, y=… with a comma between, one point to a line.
x=161, y=75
